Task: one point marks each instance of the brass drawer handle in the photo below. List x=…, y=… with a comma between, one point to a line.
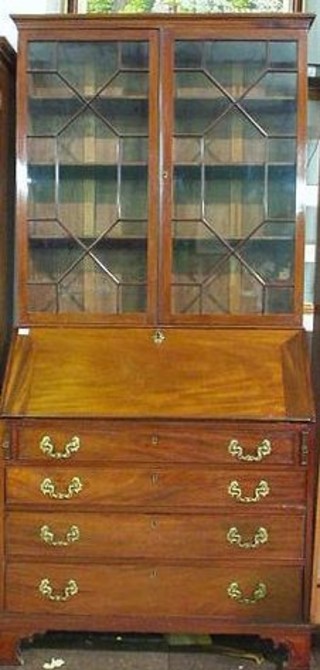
x=234, y=592
x=47, y=536
x=261, y=491
x=48, y=448
x=263, y=449
x=260, y=537
x=46, y=590
x=48, y=488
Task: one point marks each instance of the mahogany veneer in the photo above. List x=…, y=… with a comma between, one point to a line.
x=174, y=518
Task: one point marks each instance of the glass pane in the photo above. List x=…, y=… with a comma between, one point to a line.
x=42, y=56
x=197, y=257
x=41, y=191
x=234, y=139
x=51, y=104
x=273, y=264
x=88, y=176
x=187, y=150
x=87, y=139
x=233, y=199
x=214, y=295
x=190, y=117
x=283, y=54
x=87, y=67
x=234, y=177
x=188, y=54
x=86, y=289
x=187, y=192
x=42, y=297
x=281, y=152
x=281, y=191
x=87, y=200
x=134, y=149
x=272, y=103
x=279, y=300
x=235, y=65
x=133, y=193
x=134, y=55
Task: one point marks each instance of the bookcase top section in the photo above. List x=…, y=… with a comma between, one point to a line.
x=171, y=373
x=223, y=21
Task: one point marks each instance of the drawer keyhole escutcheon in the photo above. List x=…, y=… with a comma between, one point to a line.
x=48, y=488
x=235, y=593
x=262, y=450
x=6, y=449
x=261, y=536
x=261, y=491
x=46, y=590
x=154, y=440
x=48, y=448
x=304, y=455
x=154, y=478
x=48, y=536
x=158, y=337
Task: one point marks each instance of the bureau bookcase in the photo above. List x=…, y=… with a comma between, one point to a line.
x=157, y=415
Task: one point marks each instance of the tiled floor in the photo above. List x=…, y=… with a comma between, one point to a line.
x=101, y=660
x=103, y=652
x=106, y=652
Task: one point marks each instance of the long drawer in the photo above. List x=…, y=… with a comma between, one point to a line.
x=159, y=486
x=231, y=536
x=251, y=594
x=157, y=441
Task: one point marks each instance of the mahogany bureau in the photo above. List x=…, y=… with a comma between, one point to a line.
x=152, y=495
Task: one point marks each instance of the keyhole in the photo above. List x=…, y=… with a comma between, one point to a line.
x=154, y=478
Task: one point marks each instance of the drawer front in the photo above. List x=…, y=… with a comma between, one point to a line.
x=155, y=441
x=242, y=594
x=155, y=487
x=118, y=536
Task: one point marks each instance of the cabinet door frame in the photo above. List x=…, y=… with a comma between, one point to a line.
x=194, y=33
x=7, y=181
x=23, y=315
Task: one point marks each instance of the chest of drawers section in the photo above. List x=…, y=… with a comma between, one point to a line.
x=157, y=520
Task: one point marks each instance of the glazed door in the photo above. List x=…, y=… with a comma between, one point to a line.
x=91, y=109
x=230, y=211
x=162, y=168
